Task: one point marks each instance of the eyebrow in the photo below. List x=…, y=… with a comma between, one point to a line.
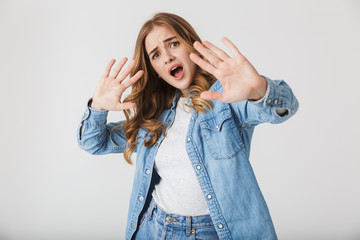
x=166, y=40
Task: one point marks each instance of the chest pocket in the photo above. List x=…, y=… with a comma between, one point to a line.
x=221, y=135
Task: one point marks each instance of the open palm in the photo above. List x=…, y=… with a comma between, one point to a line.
x=110, y=88
x=238, y=77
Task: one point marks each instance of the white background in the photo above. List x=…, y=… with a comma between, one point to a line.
x=53, y=53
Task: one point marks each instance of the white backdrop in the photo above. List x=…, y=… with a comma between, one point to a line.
x=53, y=53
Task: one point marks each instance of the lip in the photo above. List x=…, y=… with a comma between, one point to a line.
x=176, y=65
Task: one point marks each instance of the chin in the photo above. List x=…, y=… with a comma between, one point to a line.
x=183, y=87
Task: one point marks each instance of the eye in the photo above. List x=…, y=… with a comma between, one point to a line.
x=174, y=44
x=155, y=55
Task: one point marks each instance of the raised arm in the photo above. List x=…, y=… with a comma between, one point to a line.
x=255, y=98
x=94, y=135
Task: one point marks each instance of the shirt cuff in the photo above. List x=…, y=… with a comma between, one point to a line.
x=271, y=98
x=94, y=115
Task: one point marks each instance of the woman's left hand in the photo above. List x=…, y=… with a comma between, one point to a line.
x=238, y=77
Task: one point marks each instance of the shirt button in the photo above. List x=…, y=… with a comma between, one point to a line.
x=193, y=118
x=169, y=121
x=209, y=196
x=269, y=100
x=220, y=225
x=198, y=167
x=189, y=139
x=132, y=225
x=157, y=144
x=169, y=219
x=217, y=126
x=147, y=171
x=141, y=198
x=275, y=101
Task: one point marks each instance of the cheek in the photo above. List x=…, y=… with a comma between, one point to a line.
x=192, y=68
x=190, y=63
x=156, y=68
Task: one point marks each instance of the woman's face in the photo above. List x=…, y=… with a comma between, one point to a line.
x=170, y=59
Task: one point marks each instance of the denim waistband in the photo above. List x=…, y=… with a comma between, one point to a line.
x=188, y=222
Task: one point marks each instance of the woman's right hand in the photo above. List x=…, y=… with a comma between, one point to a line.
x=109, y=90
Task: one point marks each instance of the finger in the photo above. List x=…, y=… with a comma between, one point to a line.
x=123, y=106
x=234, y=50
x=210, y=95
x=118, y=68
x=206, y=53
x=108, y=67
x=219, y=52
x=126, y=71
x=133, y=80
x=203, y=64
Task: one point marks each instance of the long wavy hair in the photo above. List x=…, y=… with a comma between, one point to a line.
x=153, y=95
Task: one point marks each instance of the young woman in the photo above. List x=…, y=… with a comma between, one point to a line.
x=190, y=118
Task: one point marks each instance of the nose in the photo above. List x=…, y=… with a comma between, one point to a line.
x=168, y=57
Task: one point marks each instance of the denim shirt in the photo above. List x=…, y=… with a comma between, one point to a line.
x=218, y=145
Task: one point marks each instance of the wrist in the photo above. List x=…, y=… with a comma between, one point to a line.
x=260, y=90
x=93, y=104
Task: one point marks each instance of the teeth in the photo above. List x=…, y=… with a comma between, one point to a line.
x=174, y=68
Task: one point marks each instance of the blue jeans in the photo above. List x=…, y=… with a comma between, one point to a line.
x=157, y=224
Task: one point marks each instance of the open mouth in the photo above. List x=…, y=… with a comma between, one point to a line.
x=177, y=72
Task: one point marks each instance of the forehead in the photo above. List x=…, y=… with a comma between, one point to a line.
x=156, y=37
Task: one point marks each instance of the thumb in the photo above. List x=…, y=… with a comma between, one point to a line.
x=210, y=95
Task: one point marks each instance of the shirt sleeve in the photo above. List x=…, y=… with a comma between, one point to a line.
x=278, y=105
x=97, y=137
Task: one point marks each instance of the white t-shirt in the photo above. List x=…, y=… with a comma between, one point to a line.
x=178, y=191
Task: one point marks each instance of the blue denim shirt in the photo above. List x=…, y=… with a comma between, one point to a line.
x=218, y=145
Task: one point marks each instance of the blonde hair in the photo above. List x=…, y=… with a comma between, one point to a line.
x=153, y=95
